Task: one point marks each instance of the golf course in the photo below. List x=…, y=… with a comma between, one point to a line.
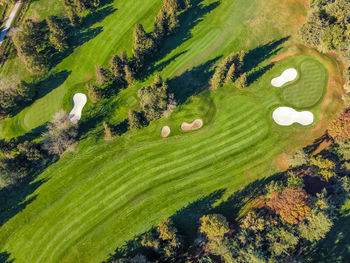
x=102, y=193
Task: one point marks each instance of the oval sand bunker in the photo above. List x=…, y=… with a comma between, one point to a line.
x=79, y=100
x=286, y=116
x=165, y=131
x=287, y=76
x=195, y=125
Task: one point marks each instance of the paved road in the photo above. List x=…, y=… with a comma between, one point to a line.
x=9, y=21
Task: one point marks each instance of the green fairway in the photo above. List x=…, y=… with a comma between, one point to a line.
x=310, y=86
x=109, y=192
x=104, y=193
x=218, y=29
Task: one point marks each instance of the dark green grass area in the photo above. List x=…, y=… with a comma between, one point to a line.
x=310, y=86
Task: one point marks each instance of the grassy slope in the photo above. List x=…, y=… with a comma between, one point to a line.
x=107, y=192
x=220, y=33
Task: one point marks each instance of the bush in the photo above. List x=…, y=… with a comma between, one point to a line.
x=60, y=135
x=214, y=226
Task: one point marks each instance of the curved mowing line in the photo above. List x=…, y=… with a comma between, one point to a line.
x=181, y=184
x=76, y=203
x=310, y=87
x=208, y=157
x=140, y=186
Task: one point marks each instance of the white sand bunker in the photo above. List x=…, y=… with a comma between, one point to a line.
x=195, y=125
x=286, y=116
x=165, y=131
x=79, y=100
x=287, y=76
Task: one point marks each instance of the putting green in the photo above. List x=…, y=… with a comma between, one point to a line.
x=309, y=88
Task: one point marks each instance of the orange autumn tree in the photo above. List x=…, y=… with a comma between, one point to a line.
x=292, y=204
x=340, y=127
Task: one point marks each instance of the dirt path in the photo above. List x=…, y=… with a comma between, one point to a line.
x=9, y=21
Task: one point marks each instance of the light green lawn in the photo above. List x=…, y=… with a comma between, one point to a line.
x=310, y=86
x=224, y=29
x=105, y=193
x=108, y=192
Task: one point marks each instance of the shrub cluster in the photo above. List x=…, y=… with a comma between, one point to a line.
x=230, y=70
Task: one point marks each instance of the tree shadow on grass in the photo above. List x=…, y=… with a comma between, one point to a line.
x=187, y=219
x=13, y=200
x=31, y=135
x=257, y=55
x=335, y=248
x=192, y=81
x=83, y=33
x=187, y=21
x=5, y=257
x=256, y=74
x=43, y=87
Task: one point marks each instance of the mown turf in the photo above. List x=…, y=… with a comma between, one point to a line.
x=310, y=86
x=104, y=193
x=211, y=30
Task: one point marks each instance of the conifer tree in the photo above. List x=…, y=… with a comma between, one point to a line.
x=143, y=45
x=242, y=81
x=117, y=67
x=129, y=76
x=108, y=131
x=102, y=75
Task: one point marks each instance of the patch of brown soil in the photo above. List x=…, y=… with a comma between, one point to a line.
x=165, y=131
x=282, y=161
x=283, y=55
x=324, y=145
x=195, y=125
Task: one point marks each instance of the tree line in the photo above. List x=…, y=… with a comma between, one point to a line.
x=123, y=70
x=287, y=217
x=37, y=42
x=328, y=29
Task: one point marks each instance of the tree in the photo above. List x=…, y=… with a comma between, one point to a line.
x=94, y=92
x=148, y=240
x=242, y=81
x=129, y=76
x=58, y=36
x=221, y=71
x=117, y=67
x=294, y=181
x=31, y=41
x=135, y=120
x=323, y=167
x=14, y=95
x=214, y=226
x=154, y=99
x=143, y=44
x=167, y=230
x=298, y=159
x=231, y=74
x=108, y=131
x=316, y=227
x=340, y=127
x=60, y=135
x=103, y=75
x=292, y=205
